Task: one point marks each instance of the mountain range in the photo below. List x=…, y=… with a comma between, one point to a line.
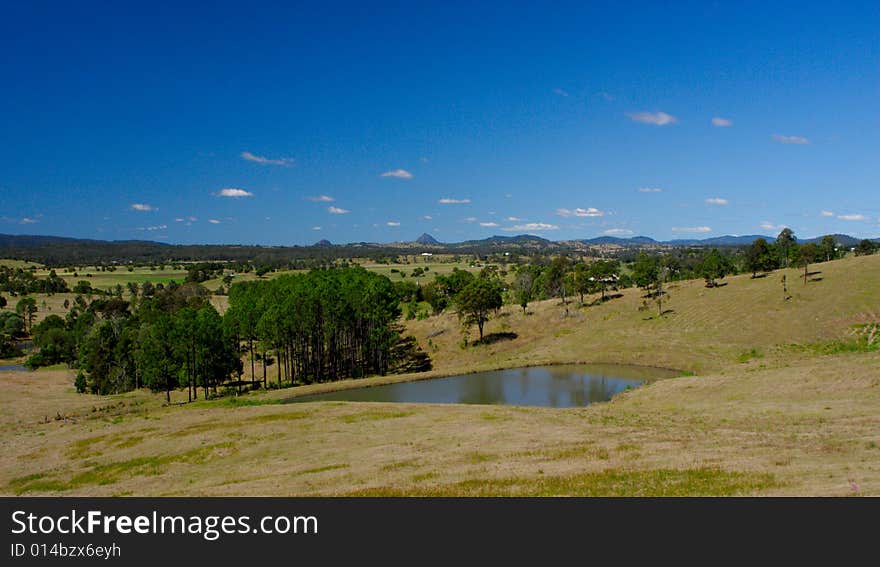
x=428, y=241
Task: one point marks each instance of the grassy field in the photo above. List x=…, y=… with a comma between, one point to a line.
x=395, y=272
x=9, y=263
x=780, y=400
x=109, y=280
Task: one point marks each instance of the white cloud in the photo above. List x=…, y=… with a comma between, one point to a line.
x=424, y=159
x=514, y=219
x=650, y=190
x=471, y=219
x=579, y=212
x=316, y=228
x=178, y=219
x=28, y=220
x=321, y=199
x=448, y=201
x=655, y=118
x=153, y=228
x=826, y=214
x=398, y=173
x=717, y=201
x=560, y=92
x=489, y=224
x=791, y=139
x=213, y=221
x=392, y=223
x=691, y=229
x=192, y=219
x=767, y=225
x=721, y=122
x=534, y=226
x=234, y=193
x=428, y=217
x=284, y=162
x=606, y=96
x=337, y=211
x=617, y=232
x=143, y=207
x=852, y=217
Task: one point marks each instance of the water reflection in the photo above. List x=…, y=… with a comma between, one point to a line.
x=549, y=386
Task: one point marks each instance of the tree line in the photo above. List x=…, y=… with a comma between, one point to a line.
x=326, y=324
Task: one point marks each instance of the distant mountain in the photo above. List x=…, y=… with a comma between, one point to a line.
x=842, y=239
x=56, y=250
x=31, y=241
x=634, y=241
x=726, y=240
x=498, y=241
x=426, y=238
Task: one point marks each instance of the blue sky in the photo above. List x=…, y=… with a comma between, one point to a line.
x=282, y=123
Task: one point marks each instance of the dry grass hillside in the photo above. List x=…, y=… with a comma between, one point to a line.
x=779, y=403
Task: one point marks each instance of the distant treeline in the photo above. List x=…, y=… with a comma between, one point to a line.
x=57, y=251
x=317, y=326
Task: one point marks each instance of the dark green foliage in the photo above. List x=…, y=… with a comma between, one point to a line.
x=477, y=300
x=11, y=325
x=760, y=258
x=828, y=248
x=11, y=328
x=785, y=241
x=646, y=271
x=554, y=280
x=803, y=256
x=83, y=287
x=26, y=308
x=204, y=271
x=323, y=325
x=156, y=364
x=714, y=267
x=441, y=293
x=524, y=285
x=55, y=342
x=22, y=282
x=603, y=274
x=865, y=248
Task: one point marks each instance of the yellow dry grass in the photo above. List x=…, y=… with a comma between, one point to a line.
x=761, y=415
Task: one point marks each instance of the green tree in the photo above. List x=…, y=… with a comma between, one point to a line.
x=155, y=358
x=556, y=277
x=828, y=248
x=714, y=267
x=524, y=287
x=26, y=308
x=604, y=273
x=477, y=300
x=785, y=240
x=54, y=341
x=646, y=271
x=759, y=258
x=865, y=248
x=804, y=256
x=581, y=281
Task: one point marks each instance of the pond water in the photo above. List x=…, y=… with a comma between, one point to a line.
x=560, y=386
x=12, y=368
